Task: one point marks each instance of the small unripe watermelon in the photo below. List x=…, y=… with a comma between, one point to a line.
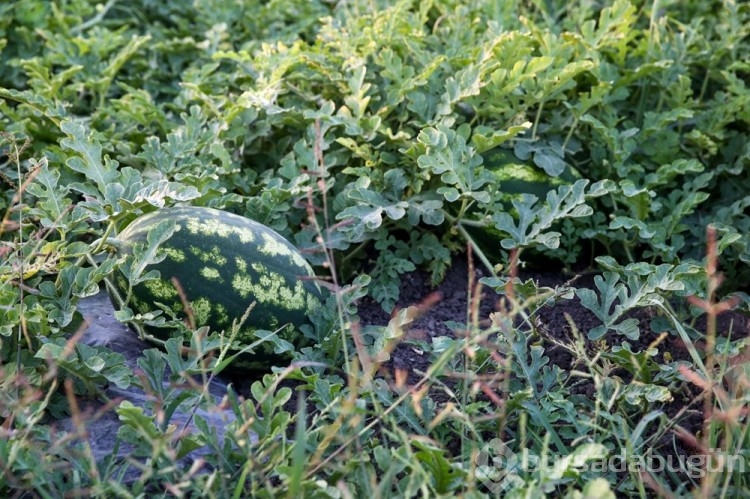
x=515, y=178
x=223, y=263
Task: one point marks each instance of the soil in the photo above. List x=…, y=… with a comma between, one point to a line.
x=554, y=323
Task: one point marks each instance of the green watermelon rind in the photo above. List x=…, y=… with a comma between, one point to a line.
x=223, y=263
x=514, y=178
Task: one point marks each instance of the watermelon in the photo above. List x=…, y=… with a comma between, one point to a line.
x=223, y=263
x=514, y=178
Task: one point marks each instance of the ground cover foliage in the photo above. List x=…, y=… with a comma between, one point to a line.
x=357, y=130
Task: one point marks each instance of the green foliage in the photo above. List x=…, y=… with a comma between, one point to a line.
x=357, y=130
x=646, y=286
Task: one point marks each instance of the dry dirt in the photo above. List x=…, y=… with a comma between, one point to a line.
x=555, y=323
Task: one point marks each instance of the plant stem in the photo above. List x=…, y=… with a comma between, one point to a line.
x=94, y=20
x=570, y=133
x=480, y=254
x=537, y=119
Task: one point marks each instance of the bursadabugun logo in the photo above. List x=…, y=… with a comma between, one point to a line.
x=497, y=466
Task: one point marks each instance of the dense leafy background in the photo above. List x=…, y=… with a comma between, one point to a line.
x=359, y=131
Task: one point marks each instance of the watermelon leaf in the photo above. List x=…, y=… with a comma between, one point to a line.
x=147, y=254
x=52, y=196
x=645, y=285
x=535, y=220
x=486, y=139
x=87, y=365
x=459, y=166
x=88, y=160
x=551, y=161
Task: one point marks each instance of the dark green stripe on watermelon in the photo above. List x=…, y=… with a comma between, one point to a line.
x=223, y=263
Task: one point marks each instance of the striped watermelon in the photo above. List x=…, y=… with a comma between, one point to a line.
x=514, y=178
x=223, y=263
